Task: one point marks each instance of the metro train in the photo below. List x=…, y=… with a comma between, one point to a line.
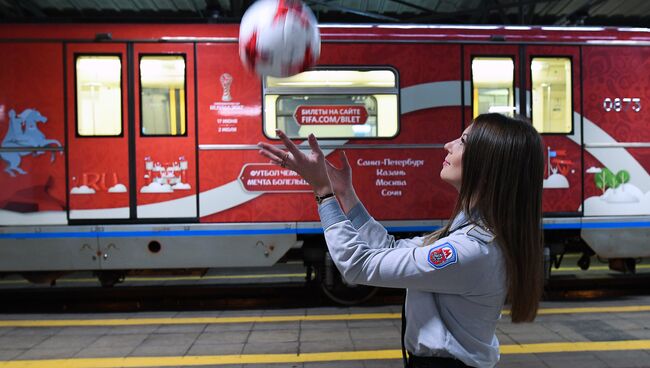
x=134, y=146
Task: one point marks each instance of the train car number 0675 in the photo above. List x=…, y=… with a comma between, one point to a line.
x=622, y=104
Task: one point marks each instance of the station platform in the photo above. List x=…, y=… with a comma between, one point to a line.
x=596, y=333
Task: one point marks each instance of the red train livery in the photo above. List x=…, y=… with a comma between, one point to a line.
x=134, y=146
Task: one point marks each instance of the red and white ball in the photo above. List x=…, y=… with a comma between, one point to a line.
x=279, y=38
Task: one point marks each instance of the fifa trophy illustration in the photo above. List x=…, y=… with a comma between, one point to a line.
x=226, y=82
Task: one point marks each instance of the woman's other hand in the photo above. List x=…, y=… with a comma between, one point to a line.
x=341, y=181
x=310, y=167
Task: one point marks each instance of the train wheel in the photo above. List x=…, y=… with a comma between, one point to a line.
x=584, y=262
x=110, y=278
x=340, y=291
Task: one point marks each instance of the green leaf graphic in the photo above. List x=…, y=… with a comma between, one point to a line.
x=599, y=178
x=610, y=178
x=623, y=176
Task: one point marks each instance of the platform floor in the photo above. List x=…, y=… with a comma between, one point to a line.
x=601, y=333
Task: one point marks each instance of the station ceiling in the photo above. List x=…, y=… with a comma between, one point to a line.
x=627, y=13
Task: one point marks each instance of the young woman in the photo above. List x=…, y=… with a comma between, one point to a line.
x=458, y=278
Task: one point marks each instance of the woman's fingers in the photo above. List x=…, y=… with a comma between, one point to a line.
x=313, y=144
x=273, y=157
x=276, y=155
x=277, y=152
x=294, y=157
x=288, y=143
x=344, y=161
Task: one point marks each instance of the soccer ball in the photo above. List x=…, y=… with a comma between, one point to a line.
x=279, y=38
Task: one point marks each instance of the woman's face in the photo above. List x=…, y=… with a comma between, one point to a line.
x=452, y=166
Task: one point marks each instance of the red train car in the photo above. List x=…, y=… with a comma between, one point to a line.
x=134, y=146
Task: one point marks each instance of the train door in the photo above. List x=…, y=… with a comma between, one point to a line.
x=553, y=98
x=131, y=132
x=98, y=131
x=165, y=138
x=544, y=79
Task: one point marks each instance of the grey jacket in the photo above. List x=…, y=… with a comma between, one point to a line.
x=456, y=286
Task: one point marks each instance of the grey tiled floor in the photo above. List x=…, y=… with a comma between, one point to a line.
x=299, y=337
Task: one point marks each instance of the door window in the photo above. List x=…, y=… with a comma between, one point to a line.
x=493, y=85
x=333, y=104
x=551, y=92
x=99, y=95
x=162, y=95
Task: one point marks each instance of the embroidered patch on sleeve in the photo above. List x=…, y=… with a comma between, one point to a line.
x=442, y=256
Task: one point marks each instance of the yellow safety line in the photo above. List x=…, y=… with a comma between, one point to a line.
x=197, y=320
x=266, y=319
x=176, y=278
x=204, y=360
x=566, y=347
x=593, y=268
x=612, y=309
x=557, y=347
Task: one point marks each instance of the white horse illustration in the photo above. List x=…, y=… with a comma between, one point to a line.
x=23, y=132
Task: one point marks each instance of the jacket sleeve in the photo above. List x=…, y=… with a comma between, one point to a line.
x=374, y=233
x=450, y=265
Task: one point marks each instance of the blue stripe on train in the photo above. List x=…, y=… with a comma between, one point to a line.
x=176, y=233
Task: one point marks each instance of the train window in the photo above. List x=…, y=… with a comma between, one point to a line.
x=551, y=90
x=333, y=103
x=493, y=85
x=162, y=95
x=99, y=95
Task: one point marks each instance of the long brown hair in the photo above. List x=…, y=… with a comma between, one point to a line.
x=502, y=175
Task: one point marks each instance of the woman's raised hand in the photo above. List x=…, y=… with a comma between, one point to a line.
x=311, y=167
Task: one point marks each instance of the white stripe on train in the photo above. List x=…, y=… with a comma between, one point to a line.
x=413, y=98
